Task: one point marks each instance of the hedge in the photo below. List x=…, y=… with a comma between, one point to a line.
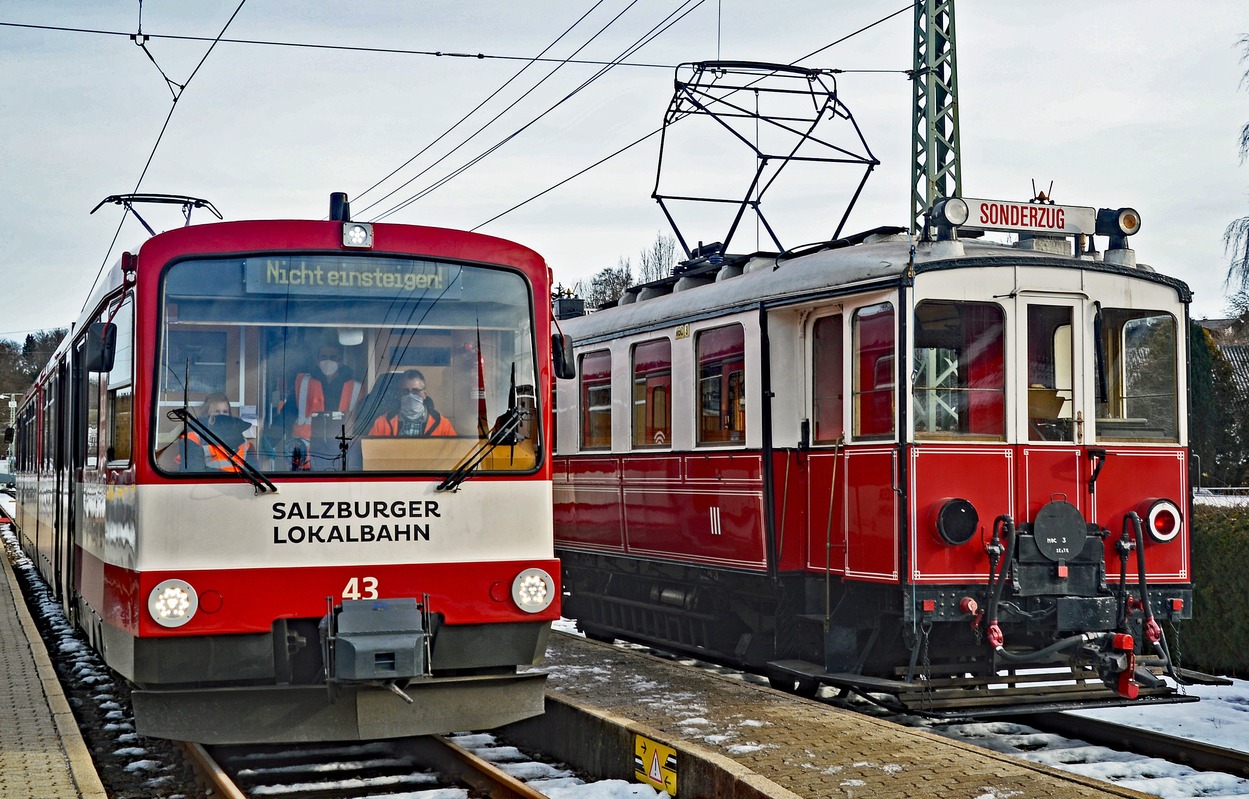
x=1216, y=640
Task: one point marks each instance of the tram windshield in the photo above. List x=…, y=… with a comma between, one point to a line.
x=1137, y=368
x=344, y=363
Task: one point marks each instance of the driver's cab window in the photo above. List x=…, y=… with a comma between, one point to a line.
x=1137, y=363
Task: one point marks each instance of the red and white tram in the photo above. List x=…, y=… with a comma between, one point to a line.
x=323, y=582
x=918, y=468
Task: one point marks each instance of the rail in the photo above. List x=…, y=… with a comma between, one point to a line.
x=451, y=762
x=1197, y=754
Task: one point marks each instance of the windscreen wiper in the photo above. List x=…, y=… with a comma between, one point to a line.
x=254, y=476
x=506, y=432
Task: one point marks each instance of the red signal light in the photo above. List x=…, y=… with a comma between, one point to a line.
x=1162, y=519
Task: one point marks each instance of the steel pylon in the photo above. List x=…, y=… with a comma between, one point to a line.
x=934, y=121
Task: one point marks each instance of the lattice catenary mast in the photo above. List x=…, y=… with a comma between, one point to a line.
x=934, y=121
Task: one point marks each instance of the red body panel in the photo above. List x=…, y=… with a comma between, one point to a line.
x=249, y=600
x=982, y=476
x=662, y=506
x=705, y=508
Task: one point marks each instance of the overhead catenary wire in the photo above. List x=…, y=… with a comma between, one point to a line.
x=656, y=131
x=472, y=162
x=152, y=155
x=476, y=108
x=221, y=39
x=480, y=56
x=649, y=36
x=496, y=117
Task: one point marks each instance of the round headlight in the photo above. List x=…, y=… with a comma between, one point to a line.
x=533, y=590
x=956, y=521
x=952, y=211
x=172, y=603
x=1117, y=222
x=1162, y=520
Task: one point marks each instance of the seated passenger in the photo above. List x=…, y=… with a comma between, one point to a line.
x=412, y=412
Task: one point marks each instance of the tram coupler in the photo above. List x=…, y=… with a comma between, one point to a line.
x=377, y=642
x=1117, y=665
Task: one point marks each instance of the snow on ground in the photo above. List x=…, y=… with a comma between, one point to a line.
x=1221, y=717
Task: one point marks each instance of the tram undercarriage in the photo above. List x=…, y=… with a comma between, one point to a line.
x=916, y=649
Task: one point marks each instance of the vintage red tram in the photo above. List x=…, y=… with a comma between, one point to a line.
x=938, y=469
x=323, y=581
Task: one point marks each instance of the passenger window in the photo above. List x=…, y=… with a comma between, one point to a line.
x=595, y=376
x=827, y=375
x=959, y=377
x=120, y=389
x=721, y=385
x=874, y=370
x=652, y=394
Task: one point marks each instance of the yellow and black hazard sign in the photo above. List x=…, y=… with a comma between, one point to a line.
x=655, y=764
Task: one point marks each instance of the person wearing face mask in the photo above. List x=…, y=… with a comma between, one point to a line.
x=414, y=414
x=329, y=388
x=194, y=453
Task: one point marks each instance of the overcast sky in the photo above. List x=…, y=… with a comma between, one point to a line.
x=1116, y=103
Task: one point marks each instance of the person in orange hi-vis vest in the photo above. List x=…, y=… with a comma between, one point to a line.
x=328, y=390
x=200, y=454
x=413, y=413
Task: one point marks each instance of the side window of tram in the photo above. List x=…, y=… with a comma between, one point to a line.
x=721, y=359
x=119, y=386
x=874, y=369
x=959, y=378
x=91, y=453
x=827, y=373
x=1136, y=384
x=1050, y=365
x=595, y=377
x=652, y=394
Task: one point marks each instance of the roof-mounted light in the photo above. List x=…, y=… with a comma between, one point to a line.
x=1117, y=223
x=950, y=212
x=357, y=235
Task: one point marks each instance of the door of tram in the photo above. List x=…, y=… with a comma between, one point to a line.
x=73, y=473
x=1050, y=335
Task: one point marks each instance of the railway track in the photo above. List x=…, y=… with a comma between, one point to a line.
x=1197, y=754
x=373, y=769
x=1113, y=752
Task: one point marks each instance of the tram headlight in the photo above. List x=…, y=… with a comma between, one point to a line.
x=172, y=603
x=955, y=521
x=1115, y=222
x=952, y=212
x=533, y=590
x=1162, y=519
x=357, y=235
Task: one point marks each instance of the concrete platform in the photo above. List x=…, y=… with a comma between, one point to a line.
x=732, y=738
x=42, y=753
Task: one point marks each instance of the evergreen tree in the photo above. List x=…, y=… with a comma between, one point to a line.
x=1217, y=425
x=38, y=350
